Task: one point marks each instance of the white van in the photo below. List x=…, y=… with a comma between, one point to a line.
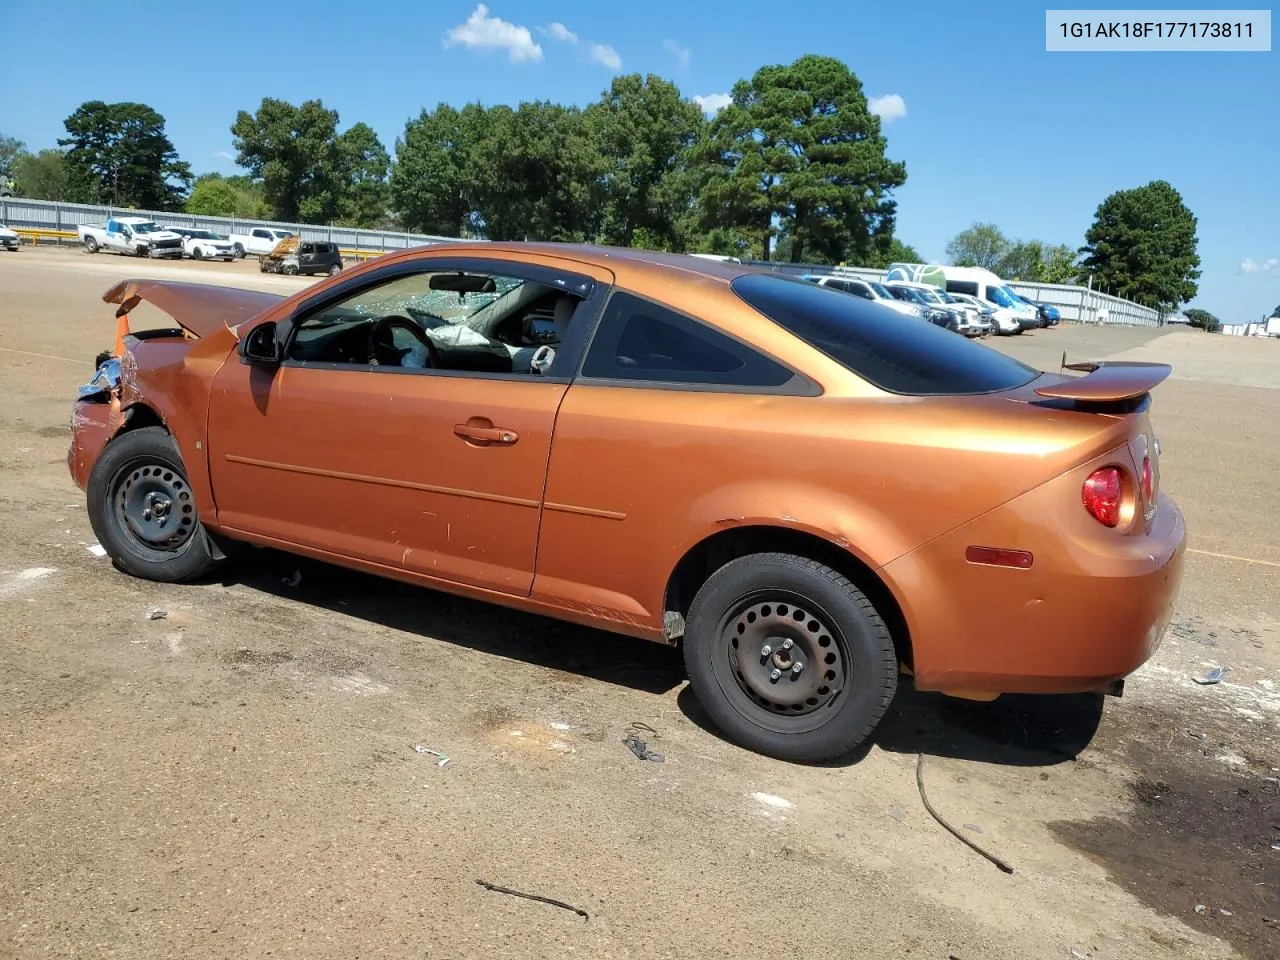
x=973, y=281
x=985, y=285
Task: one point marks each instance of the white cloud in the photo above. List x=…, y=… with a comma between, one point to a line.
x=713, y=103
x=224, y=155
x=558, y=31
x=681, y=54
x=603, y=53
x=1251, y=265
x=483, y=32
x=888, y=108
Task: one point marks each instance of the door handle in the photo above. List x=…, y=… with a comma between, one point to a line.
x=486, y=434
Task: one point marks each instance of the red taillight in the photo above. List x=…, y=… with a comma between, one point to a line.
x=1147, y=492
x=1101, y=495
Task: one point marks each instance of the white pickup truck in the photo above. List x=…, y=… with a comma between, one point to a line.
x=259, y=241
x=136, y=236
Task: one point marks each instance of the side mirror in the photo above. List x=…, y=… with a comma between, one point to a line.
x=261, y=347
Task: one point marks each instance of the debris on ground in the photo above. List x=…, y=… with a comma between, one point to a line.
x=155, y=613
x=924, y=798
x=1201, y=908
x=898, y=813
x=294, y=580
x=641, y=749
x=1212, y=677
x=97, y=549
x=1080, y=954
x=972, y=826
x=533, y=896
x=419, y=748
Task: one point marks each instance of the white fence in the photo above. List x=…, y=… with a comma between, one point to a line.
x=1074, y=303
x=20, y=212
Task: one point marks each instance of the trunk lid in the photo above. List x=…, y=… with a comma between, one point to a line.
x=1119, y=392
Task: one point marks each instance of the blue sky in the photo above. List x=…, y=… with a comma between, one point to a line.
x=991, y=127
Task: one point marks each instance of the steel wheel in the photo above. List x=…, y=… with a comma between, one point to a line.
x=785, y=658
x=153, y=504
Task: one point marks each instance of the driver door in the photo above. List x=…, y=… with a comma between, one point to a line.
x=437, y=472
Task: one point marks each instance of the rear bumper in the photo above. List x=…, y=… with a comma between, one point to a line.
x=1091, y=609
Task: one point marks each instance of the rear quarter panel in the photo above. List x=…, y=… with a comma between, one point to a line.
x=640, y=476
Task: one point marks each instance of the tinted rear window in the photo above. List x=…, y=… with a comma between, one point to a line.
x=895, y=353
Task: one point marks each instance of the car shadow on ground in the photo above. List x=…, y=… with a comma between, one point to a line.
x=1012, y=730
x=487, y=628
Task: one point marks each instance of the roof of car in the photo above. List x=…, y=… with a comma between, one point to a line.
x=611, y=257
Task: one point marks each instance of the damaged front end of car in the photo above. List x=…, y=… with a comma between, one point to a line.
x=96, y=417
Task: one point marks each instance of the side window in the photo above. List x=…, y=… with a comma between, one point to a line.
x=440, y=319
x=963, y=286
x=307, y=248
x=262, y=234
x=640, y=340
x=859, y=289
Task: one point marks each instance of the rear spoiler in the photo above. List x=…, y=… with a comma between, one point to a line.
x=1107, y=381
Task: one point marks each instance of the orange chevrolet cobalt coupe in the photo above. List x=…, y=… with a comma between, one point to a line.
x=809, y=492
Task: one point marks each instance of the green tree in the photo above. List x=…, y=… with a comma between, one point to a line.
x=895, y=252
x=309, y=173
x=362, y=165
x=1142, y=246
x=644, y=128
x=1203, y=319
x=214, y=195
x=1059, y=265
x=11, y=148
x=118, y=153
x=981, y=245
x=538, y=174
x=432, y=181
x=798, y=152
x=1024, y=260
x=43, y=175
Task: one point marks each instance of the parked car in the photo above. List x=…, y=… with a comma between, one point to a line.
x=1003, y=322
x=8, y=239
x=868, y=290
x=969, y=317
x=973, y=281
x=205, y=244
x=259, y=241
x=135, y=236
x=935, y=311
x=307, y=257
x=1047, y=313
x=496, y=420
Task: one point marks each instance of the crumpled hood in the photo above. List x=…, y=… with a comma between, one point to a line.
x=200, y=308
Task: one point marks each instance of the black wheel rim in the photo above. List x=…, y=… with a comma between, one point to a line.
x=152, y=504
x=781, y=660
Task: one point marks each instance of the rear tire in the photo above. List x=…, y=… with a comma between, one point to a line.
x=197, y=253
x=335, y=269
x=759, y=616
x=143, y=511
x=91, y=245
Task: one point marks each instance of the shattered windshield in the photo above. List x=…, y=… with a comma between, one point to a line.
x=412, y=296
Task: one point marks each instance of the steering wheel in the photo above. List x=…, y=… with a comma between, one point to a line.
x=381, y=347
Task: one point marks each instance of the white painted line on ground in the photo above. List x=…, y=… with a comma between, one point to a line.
x=1229, y=556
x=42, y=356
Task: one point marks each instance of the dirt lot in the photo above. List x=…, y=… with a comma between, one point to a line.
x=238, y=779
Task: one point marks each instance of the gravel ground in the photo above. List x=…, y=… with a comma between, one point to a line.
x=238, y=778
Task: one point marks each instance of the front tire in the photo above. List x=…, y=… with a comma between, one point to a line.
x=143, y=511
x=789, y=658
